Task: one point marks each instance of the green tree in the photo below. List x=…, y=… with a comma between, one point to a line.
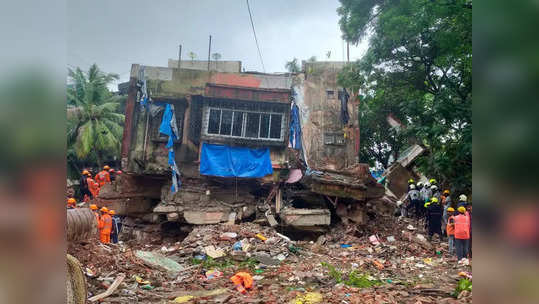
x=292, y=66
x=94, y=127
x=419, y=63
x=192, y=55
x=216, y=56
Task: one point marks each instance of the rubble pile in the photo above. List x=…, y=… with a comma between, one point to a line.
x=391, y=263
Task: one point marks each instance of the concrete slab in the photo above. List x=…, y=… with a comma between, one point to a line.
x=305, y=217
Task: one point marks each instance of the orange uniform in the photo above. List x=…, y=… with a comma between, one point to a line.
x=105, y=228
x=450, y=228
x=102, y=178
x=462, y=227
x=93, y=187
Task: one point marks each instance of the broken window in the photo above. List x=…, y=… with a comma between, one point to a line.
x=259, y=122
x=330, y=94
x=334, y=139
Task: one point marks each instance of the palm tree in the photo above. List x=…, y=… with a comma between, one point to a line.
x=94, y=126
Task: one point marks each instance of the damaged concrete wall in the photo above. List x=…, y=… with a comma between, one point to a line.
x=329, y=143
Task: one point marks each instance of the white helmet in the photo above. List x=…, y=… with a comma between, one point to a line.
x=412, y=186
x=419, y=184
x=427, y=184
x=399, y=203
x=433, y=187
x=463, y=198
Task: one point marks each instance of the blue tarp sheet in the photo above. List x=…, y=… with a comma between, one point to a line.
x=225, y=161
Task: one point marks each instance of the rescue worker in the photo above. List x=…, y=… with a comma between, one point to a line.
x=432, y=181
x=71, y=203
x=446, y=203
x=410, y=182
x=105, y=225
x=400, y=210
x=93, y=207
x=434, y=218
x=85, y=194
x=415, y=200
x=426, y=193
x=462, y=233
x=103, y=177
x=112, y=175
x=450, y=228
x=419, y=186
x=114, y=232
x=463, y=201
x=435, y=192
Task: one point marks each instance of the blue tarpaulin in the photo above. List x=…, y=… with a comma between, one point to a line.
x=168, y=127
x=295, y=128
x=226, y=161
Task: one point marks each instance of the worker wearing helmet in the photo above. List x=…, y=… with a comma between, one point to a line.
x=94, y=208
x=462, y=233
x=414, y=199
x=85, y=194
x=426, y=192
x=112, y=174
x=434, y=218
x=103, y=177
x=450, y=228
x=435, y=192
x=93, y=186
x=432, y=181
x=105, y=225
x=446, y=203
x=114, y=232
x=71, y=203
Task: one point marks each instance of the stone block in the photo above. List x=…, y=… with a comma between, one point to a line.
x=205, y=217
x=306, y=217
x=162, y=208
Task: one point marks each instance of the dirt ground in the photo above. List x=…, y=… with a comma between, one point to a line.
x=345, y=265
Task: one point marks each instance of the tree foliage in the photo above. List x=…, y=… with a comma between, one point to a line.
x=94, y=127
x=419, y=67
x=292, y=66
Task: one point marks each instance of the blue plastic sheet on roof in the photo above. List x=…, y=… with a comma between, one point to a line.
x=226, y=161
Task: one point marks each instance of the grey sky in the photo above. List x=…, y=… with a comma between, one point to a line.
x=117, y=33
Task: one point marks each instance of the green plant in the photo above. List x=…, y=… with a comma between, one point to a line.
x=354, y=278
x=463, y=285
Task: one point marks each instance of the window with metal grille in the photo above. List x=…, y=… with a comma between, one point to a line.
x=256, y=125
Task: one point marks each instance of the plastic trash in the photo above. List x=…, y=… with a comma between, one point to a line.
x=183, y=299
x=391, y=239
x=237, y=246
x=346, y=245
x=213, y=273
x=147, y=287
x=261, y=237
x=228, y=235
x=308, y=298
x=141, y=280
x=410, y=227
x=243, y=281
x=374, y=240
x=421, y=237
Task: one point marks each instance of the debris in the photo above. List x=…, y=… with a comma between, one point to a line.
x=183, y=299
x=243, y=281
x=213, y=273
x=119, y=279
x=345, y=246
x=374, y=240
x=378, y=264
x=271, y=220
x=141, y=281
x=308, y=298
x=421, y=237
x=261, y=237
x=214, y=253
x=410, y=227
x=391, y=239
x=159, y=261
x=284, y=237
x=265, y=258
x=228, y=236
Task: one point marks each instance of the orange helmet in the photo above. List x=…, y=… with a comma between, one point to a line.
x=71, y=201
x=112, y=212
x=104, y=209
x=446, y=191
x=85, y=172
x=93, y=206
x=106, y=167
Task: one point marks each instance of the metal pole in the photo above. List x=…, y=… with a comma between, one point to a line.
x=180, y=57
x=209, y=51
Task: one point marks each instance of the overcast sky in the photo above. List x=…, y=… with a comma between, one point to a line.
x=117, y=33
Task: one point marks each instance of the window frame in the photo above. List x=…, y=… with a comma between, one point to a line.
x=206, y=124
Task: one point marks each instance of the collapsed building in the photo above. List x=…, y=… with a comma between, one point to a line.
x=215, y=145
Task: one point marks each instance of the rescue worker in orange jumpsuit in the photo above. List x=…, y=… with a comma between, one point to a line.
x=84, y=189
x=103, y=177
x=462, y=233
x=93, y=207
x=94, y=187
x=71, y=203
x=105, y=225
